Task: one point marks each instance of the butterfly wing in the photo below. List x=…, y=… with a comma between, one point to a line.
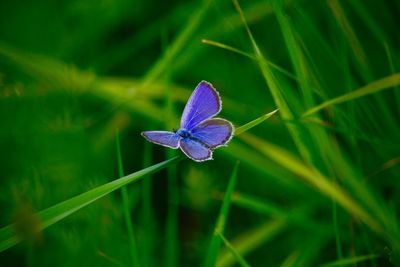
x=203, y=104
x=164, y=138
x=195, y=150
x=213, y=132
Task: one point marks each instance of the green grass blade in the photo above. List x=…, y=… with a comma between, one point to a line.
x=390, y=59
x=48, y=70
x=350, y=261
x=250, y=240
x=136, y=43
x=291, y=259
x=126, y=207
x=226, y=26
x=348, y=31
x=172, y=230
x=215, y=244
x=296, y=55
x=253, y=123
x=227, y=47
x=337, y=230
x=177, y=45
x=291, y=216
x=274, y=86
x=307, y=254
x=242, y=262
x=240, y=52
x=147, y=215
x=368, y=19
x=313, y=177
x=374, y=87
x=106, y=88
x=52, y=215
x=172, y=248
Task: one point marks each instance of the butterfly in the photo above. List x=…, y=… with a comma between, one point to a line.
x=199, y=133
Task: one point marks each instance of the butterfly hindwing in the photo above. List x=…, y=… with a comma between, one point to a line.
x=164, y=138
x=213, y=132
x=195, y=150
x=203, y=104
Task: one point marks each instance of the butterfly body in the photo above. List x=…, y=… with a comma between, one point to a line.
x=187, y=136
x=183, y=133
x=200, y=133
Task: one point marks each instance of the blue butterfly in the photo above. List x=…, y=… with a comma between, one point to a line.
x=200, y=133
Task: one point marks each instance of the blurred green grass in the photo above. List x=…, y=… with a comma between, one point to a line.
x=318, y=181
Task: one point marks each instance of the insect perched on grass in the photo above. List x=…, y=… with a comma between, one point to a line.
x=199, y=133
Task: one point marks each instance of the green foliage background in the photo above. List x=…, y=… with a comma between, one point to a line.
x=317, y=183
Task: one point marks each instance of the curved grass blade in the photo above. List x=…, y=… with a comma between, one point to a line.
x=215, y=243
x=49, y=216
x=255, y=122
x=376, y=86
x=227, y=47
x=240, y=52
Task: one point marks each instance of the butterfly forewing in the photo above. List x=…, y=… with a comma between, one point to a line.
x=203, y=104
x=195, y=150
x=165, y=138
x=213, y=132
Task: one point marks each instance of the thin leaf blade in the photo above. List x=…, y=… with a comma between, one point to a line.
x=49, y=216
x=374, y=87
x=215, y=243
